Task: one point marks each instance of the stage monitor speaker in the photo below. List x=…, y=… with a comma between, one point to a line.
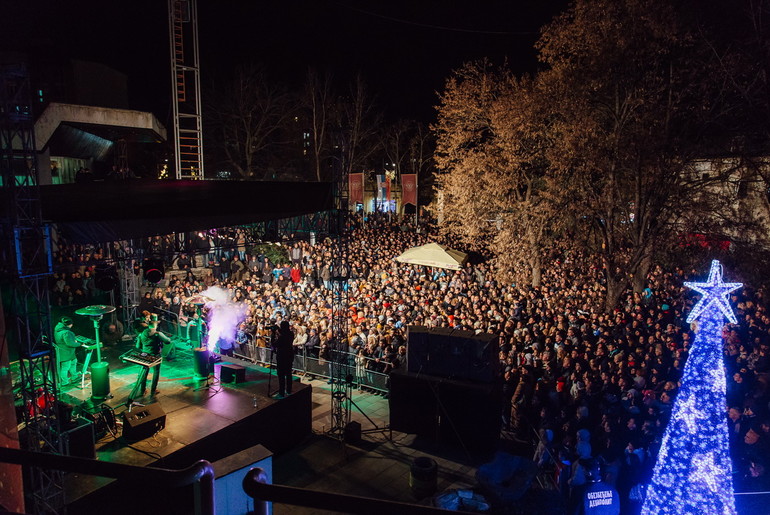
x=229, y=373
x=143, y=421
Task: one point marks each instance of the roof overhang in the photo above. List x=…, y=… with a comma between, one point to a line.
x=88, y=131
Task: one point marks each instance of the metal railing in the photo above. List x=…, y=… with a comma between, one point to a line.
x=201, y=472
x=307, y=363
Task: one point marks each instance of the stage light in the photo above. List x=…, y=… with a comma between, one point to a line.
x=693, y=470
x=154, y=270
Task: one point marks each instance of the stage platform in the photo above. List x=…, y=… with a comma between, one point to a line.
x=204, y=420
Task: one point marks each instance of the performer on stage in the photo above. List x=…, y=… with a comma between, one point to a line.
x=150, y=341
x=284, y=349
x=65, y=344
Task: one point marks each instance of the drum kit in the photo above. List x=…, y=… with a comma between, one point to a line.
x=100, y=371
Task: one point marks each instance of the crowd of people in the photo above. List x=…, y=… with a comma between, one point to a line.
x=590, y=384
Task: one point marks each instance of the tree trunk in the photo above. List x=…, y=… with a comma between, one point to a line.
x=615, y=288
x=640, y=277
x=537, y=270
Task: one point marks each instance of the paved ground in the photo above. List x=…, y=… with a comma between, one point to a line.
x=378, y=466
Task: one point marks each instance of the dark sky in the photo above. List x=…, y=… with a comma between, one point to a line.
x=404, y=49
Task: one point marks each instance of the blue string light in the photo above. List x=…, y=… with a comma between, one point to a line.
x=692, y=473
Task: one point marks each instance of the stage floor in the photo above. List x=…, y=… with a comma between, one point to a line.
x=203, y=420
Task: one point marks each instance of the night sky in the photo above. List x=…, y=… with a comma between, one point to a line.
x=404, y=49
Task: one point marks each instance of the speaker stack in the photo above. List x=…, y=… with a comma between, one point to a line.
x=453, y=354
x=450, y=391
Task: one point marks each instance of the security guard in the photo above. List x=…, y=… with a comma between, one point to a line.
x=599, y=498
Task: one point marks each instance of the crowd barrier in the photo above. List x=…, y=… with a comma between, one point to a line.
x=307, y=363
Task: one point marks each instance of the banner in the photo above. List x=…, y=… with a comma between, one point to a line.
x=356, y=188
x=409, y=188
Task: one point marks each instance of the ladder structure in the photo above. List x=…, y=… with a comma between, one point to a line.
x=186, y=89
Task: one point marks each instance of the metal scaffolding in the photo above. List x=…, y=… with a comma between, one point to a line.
x=340, y=366
x=186, y=94
x=28, y=264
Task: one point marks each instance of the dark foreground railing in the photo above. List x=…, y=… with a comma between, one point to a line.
x=255, y=485
x=201, y=472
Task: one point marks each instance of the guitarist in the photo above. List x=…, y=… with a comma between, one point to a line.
x=150, y=341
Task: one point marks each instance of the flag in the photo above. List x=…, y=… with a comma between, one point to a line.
x=356, y=188
x=409, y=188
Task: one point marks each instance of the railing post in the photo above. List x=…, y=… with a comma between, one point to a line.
x=261, y=506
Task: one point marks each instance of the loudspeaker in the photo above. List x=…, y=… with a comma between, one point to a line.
x=229, y=373
x=453, y=354
x=413, y=404
x=444, y=410
x=143, y=422
x=154, y=269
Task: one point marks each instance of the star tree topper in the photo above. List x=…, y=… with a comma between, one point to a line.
x=714, y=291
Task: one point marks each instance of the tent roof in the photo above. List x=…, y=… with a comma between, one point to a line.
x=109, y=211
x=434, y=255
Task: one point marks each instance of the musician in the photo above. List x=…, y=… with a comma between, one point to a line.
x=150, y=341
x=284, y=349
x=65, y=344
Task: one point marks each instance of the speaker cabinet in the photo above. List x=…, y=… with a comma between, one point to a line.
x=229, y=373
x=446, y=411
x=143, y=421
x=453, y=354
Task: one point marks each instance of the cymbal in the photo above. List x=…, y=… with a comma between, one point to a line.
x=97, y=310
x=198, y=299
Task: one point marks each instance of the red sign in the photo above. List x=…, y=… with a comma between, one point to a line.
x=356, y=188
x=409, y=188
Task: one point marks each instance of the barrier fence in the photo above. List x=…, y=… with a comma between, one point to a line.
x=363, y=374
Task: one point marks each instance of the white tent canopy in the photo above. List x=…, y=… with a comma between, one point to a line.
x=434, y=255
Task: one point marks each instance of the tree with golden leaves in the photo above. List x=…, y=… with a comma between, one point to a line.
x=492, y=134
x=608, y=134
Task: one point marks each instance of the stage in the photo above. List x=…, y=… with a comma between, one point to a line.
x=203, y=420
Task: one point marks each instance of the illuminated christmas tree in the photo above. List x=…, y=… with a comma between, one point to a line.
x=692, y=474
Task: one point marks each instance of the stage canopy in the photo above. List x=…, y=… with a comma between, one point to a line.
x=434, y=255
x=110, y=211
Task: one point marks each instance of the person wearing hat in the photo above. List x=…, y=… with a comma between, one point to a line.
x=283, y=346
x=599, y=498
x=65, y=344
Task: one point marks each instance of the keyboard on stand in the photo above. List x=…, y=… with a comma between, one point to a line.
x=87, y=343
x=141, y=358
